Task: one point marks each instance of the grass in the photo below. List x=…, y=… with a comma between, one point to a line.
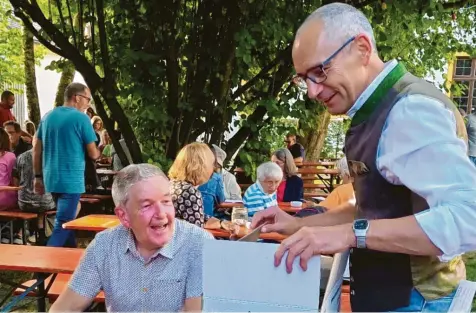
x=29, y=304
x=470, y=261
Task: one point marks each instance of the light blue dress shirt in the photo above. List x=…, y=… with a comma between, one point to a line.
x=419, y=148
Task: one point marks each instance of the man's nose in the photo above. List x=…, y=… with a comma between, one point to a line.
x=313, y=89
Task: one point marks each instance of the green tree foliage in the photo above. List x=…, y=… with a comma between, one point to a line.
x=11, y=48
x=184, y=69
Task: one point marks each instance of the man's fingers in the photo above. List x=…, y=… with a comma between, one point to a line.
x=262, y=217
x=285, y=244
x=294, y=251
x=305, y=257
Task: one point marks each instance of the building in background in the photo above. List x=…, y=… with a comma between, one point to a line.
x=462, y=69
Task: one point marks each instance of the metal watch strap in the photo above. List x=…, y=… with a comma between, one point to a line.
x=361, y=241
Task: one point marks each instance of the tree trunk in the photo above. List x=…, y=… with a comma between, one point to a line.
x=67, y=77
x=30, y=78
x=314, y=141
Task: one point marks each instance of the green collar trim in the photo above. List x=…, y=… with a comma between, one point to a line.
x=376, y=97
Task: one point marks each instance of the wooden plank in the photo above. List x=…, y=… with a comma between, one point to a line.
x=39, y=258
x=93, y=222
x=58, y=286
x=18, y=214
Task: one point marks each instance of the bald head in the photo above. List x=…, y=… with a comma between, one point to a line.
x=338, y=22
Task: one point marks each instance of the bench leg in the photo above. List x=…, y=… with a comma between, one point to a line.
x=11, y=231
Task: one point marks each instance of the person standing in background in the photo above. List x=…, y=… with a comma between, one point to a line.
x=64, y=136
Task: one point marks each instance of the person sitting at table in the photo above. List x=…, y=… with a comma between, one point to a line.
x=192, y=167
x=28, y=200
x=106, y=149
x=97, y=123
x=262, y=194
x=291, y=187
x=212, y=191
x=151, y=262
x=343, y=193
x=8, y=198
x=231, y=187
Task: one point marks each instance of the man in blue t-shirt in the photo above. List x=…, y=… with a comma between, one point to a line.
x=64, y=136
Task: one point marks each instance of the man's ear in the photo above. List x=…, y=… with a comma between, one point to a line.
x=121, y=213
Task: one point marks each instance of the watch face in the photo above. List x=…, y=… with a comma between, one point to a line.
x=361, y=224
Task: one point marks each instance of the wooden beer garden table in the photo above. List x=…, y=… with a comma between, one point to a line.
x=285, y=206
x=100, y=222
x=36, y=259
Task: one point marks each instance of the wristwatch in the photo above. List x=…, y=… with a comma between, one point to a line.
x=361, y=226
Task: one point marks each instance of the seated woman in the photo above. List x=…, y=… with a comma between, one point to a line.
x=8, y=198
x=231, y=187
x=262, y=194
x=105, y=148
x=291, y=187
x=343, y=193
x=192, y=167
x=212, y=191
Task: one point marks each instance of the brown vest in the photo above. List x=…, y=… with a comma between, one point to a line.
x=382, y=281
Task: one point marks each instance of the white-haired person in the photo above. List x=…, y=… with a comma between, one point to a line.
x=263, y=193
x=343, y=193
x=151, y=262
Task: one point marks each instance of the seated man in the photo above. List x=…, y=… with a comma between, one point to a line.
x=151, y=262
x=28, y=200
x=15, y=133
x=262, y=194
x=296, y=149
x=343, y=193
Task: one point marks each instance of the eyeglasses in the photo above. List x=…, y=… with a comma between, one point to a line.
x=83, y=96
x=318, y=74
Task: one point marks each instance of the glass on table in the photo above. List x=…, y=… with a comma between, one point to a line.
x=239, y=218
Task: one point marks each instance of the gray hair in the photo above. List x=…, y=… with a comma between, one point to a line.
x=343, y=167
x=73, y=89
x=341, y=22
x=128, y=177
x=269, y=170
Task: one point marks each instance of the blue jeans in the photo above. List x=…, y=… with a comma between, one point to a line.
x=66, y=206
x=419, y=304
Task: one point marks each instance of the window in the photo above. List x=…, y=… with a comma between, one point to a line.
x=465, y=75
x=463, y=67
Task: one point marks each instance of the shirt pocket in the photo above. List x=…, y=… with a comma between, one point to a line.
x=170, y=294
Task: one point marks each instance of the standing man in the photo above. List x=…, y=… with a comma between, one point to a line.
x=414, y=185
x=64, y=135
x=296, y=149
x=19, y=145
x=6, y=105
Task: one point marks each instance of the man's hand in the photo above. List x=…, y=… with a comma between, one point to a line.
x=38, y=186
x=309, y=241
x=277, y=221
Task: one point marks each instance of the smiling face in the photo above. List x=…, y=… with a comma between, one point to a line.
x=149, y=213
x=346, y=73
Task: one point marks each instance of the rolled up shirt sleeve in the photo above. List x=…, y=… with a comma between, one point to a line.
x=419, y=148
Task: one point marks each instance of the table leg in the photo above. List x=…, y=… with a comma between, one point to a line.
x=41, y=301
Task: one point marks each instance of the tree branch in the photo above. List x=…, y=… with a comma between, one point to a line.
x=42, y=40
x=454, y=5
x=281, y=56
x=71, y=22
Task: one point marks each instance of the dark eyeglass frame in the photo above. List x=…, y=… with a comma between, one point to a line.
x=301, y=79
x=83, y=96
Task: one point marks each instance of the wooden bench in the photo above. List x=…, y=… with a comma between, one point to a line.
x=9, y=217
x=59, y=284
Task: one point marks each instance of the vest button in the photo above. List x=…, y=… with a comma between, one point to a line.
x=352, y=292
x=351, y=250
x=351, y=279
